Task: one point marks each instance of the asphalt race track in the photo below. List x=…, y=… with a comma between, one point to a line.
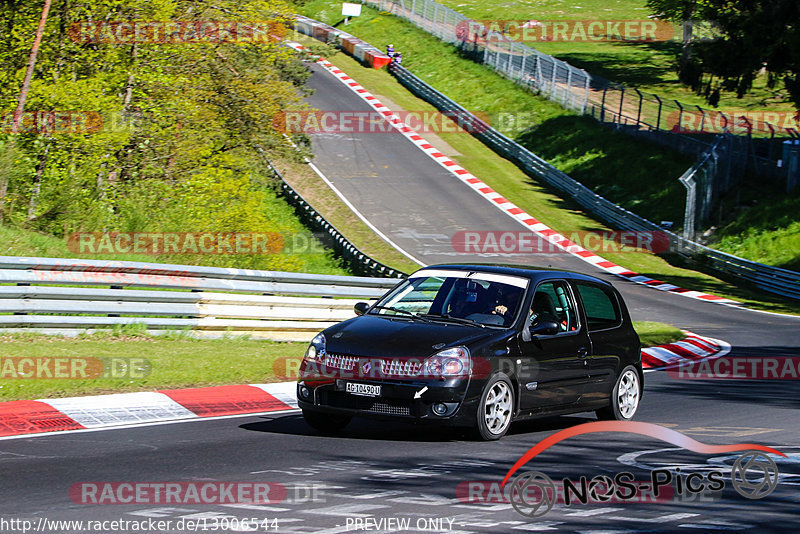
x=379, y=477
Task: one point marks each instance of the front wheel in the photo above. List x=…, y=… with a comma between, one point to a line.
x=624, y=400
x=326, y=422
x=496, y=408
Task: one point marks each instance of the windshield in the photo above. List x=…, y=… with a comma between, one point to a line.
x=456, y=296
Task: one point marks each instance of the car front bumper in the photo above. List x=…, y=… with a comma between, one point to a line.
x=444, y=402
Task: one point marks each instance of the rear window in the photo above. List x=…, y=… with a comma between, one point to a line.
x=602, y=309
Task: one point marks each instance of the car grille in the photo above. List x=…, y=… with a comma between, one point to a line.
x=391, y=409
x=388, y=366
x=338, y=399
x=340, y=361
x=400, y=367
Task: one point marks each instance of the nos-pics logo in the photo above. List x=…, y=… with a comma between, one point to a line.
x=754, y=475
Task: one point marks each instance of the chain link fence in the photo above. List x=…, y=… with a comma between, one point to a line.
x=773, y=279
x=542, y=73
x=687, y=129
x=706, y=171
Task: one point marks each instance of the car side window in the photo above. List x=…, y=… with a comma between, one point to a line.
x=601, y=306
x=553, y=301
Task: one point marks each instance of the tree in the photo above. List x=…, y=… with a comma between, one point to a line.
x=753, y=37
x=168, y=110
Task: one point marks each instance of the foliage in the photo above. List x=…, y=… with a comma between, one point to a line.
x=753, y=37
x=171, y=127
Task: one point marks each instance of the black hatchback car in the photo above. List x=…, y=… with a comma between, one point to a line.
x=478, y=346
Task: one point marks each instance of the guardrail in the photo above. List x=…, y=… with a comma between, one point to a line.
x=556, y=79
x=766, y=277
x=207, y=302
x=357, y=261
x=773, y=279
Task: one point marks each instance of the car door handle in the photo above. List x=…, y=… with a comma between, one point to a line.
x=583, y=352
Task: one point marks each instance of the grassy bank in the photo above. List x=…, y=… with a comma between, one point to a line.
x=648, y=66
x=176, y=361
x=16, y=241
x=308, y=184
x=754, y=221
x=544, y=204
x=587, y=151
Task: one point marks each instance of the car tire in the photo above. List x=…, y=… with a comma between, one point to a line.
x=624, y=398
x=326, y=422
x=496, y=408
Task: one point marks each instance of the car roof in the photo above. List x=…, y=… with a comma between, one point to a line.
x=533, y=273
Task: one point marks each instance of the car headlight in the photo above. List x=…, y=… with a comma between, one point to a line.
x=448, y=363
x=316, y=349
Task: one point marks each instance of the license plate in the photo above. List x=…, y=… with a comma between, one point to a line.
x=368, y=390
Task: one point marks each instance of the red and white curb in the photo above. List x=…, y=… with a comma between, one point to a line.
x=690, y=349
x=125, y=409
x=98, y=412
x=505, y=205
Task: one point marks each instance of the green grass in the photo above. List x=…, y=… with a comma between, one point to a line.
x=15, y=241
x=767, y=232
x=175, y=362
x=634, y=173
x=649, y=67
x=616, y=167
x=306, y=182
x=503, y=176
x=652, y=334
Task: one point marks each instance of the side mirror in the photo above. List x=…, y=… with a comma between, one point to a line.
x=361, y=308
x=544, y=328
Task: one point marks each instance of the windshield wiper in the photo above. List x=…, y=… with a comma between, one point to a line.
x=406, y=312
x=462, y=320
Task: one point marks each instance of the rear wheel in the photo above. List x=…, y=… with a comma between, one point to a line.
x=625, y=397
x=326, y=422
x=496, y=408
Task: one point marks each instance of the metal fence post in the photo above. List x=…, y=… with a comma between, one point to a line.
x=509, y=63
x=603, y=103
x=569, y=84
x=586, y=89
x=702, y=118
x=658, y=115
x=639, y=111
x=691, y=204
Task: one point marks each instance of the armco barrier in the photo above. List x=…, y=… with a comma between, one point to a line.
x=772, y=279
x=363, y=51
x=553, y=78
x=357, y=261
x=766, y=277
x=207, y=301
